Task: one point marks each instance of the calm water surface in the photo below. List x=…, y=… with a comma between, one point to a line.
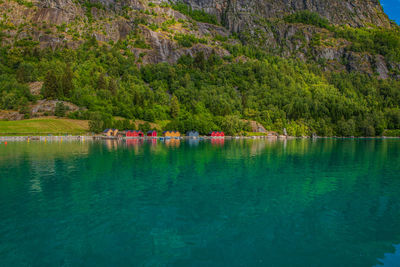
x=234, y=203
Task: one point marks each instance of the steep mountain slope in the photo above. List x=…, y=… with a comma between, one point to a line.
x=324, y=66
x=238, y=15
x=156, y=24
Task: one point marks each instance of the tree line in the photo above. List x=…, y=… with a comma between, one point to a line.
x=202, y=93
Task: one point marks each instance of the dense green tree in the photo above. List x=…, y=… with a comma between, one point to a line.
x=145, y=127
x=51, y=87
x=175, y=107
x=200, y=61
x=203, y=93
x=26, y=73
x=60, y=109
x=102, y=82
x=67, y=81
x=113, y=87
x=96, y=123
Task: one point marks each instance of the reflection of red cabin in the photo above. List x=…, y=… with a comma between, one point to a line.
x=217, y=141
x=134, y=134
x=152, y=133
x=216, y=134
x=134, y=142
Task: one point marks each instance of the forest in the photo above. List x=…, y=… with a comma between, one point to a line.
x=201, y=93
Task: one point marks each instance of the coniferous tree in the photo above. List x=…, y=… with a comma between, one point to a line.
x=50, y=86
x=113, y=87
x=96, y=123
x=200, y=60
x=66, y=81
x=126, y=124
x=25, y=73
x=175, y=108
x=101, y=82
x=60, y=109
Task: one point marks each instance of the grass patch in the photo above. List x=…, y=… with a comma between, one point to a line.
x=44, y=126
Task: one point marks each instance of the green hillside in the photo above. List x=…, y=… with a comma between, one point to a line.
x=173, y=63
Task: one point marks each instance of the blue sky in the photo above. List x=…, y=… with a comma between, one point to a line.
x=392, y=8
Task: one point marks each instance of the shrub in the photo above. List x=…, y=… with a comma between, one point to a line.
x=376, y=41
x=188, y=40
x=308, y=17
x=198, y=15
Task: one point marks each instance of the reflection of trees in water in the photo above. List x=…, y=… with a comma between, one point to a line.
x=331, y=195
x=331, y=202
x=40, y=159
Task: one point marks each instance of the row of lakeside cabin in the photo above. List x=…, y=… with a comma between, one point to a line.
x=134, y=133
x=139, y=133
x=131, y=133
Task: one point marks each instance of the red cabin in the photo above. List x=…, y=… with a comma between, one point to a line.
x=216, y=134
x=134, y=134
x=213, y=134
x=152, y=133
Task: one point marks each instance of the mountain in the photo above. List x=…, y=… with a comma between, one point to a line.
x=348, y=44
x=262, y=23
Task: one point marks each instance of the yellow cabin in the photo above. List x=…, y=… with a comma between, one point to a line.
x=110, y=132
x=171, y=134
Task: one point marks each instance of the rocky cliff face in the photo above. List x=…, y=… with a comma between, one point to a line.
x=155, y=25
x=261, y=20
x=239, y=14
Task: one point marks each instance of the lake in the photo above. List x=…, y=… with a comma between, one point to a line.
x=324, y=202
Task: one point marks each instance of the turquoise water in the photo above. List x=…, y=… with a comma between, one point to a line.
x=234, y=203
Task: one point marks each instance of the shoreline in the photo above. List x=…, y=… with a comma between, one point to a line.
x=97, y=138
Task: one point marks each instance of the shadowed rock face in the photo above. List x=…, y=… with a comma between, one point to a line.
x=237, y=14
x=57, y=11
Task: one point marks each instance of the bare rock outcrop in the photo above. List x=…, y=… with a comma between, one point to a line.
x=48, y=107
x=239, y=14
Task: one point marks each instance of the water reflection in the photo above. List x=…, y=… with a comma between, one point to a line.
x=172, y=142
x=153, y=141
x=111, y=144
x=240, y=203
x=193, y=141
x=218, y=141
x=134, y=142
